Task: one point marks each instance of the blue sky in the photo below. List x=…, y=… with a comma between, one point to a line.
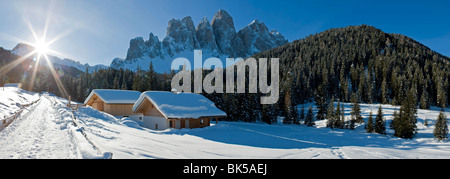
x=96, y=31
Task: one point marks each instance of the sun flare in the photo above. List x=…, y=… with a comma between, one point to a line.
x=41, y=47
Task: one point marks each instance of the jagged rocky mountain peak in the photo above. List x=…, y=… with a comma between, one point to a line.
x=217, y=38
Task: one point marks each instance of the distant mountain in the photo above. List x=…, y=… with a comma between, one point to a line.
x=22, y=49
x=216, y=39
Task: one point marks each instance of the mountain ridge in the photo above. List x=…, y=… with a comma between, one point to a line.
x=217, y=38
x=376, y=66
x=23, y=49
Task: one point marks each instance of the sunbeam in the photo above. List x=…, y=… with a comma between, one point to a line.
x=42, y=49
x=59, y=84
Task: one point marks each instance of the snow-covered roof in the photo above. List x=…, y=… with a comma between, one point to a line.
x=180, y=105
x=115, y=96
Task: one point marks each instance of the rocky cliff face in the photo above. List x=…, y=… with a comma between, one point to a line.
x=216, y=39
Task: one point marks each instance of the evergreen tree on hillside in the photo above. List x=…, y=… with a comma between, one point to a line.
x=424, y=99
x=138, y=83
x=441, y=129
x=290, y=110
x=269, y=113
x=370, y=125
x=309, y=120
x=331, y=117
x=356, y=110
x=380, y=126
x=441, y=91
x=152, y=79
x=321, y=103
x=384, y=92
x=343, y=81
x=302, y=114
x=404, y=123
x=343, y=122
x=339, y=120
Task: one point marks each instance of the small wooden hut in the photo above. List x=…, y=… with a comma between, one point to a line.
x=118, y=103
x=164, y=110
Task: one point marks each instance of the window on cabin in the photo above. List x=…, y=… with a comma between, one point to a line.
x=202, y=122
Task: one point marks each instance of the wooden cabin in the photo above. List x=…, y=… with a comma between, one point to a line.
x=118, y=103
x=164, y=110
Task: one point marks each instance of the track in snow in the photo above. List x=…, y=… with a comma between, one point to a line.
x=40, y=132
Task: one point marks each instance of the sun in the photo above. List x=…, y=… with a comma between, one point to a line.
x=41, y=47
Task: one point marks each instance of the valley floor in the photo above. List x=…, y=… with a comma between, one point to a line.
x=46, y=130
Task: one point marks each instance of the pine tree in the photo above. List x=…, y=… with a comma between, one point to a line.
x=370, y=125
x=404, y=123
x=309, y=120
x=338, y=122
x=441, y=129
x=321, y=103
x=424, y=99
x=331, y=115
x=294, y=114
x=290, y=111
x=441, y=96
x=302, y=113
x=356, y=110
x=343, y=83
x=342, y=123
x=384, y=92
x=151, y=78
x=137, y=81
x=116, y=83
x=395, y=120
x=380, y=126
x=370, y=87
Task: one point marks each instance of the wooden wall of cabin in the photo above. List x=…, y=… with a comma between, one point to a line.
x=149, y=110
x=119, y=109
x=193, y=123
x=96, y=103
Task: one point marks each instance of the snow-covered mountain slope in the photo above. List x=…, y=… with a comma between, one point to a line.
x=12, y=99
x=24, y=49
x=46, y=130
x=126, y=139
x=216, y=39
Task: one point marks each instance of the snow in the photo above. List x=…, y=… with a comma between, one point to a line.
x=46, y=130
x=250, y=140
x=115, y=96
x=180, y=105
x=11, y=100
x=41, y=132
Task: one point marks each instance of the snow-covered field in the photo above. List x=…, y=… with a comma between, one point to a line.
x=46, y=130
x=12, y=98
x=125, y=139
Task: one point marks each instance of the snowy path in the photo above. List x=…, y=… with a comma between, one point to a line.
x=39, y=133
